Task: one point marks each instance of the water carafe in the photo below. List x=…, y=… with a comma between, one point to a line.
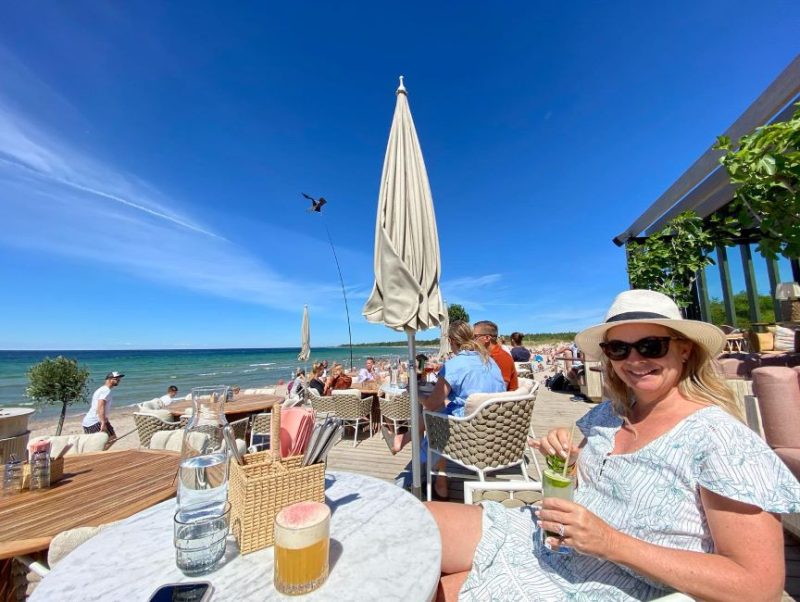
x=203, y=477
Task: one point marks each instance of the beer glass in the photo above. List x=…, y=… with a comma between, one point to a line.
x=302, y=537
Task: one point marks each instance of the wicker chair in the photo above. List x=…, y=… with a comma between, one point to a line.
x=147, y=424
x=396, y=410
x=524, y=369
x=260, y=426
x=347, y=406
x=492, y=437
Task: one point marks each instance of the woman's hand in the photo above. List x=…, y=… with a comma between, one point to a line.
x=556, y=443
x=583, y=531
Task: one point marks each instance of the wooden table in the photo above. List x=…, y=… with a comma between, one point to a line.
x=97, y=488
x=242, y=404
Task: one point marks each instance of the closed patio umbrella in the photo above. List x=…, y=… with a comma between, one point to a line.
x=305, y=338
x=406, y=295
x=444, y=342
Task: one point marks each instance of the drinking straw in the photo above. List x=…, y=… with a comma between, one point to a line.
x=569, y=451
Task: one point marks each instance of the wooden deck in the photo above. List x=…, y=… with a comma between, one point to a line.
x=372, y=457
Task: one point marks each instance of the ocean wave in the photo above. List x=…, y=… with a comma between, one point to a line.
x=258, y=365
x=213, y=373
x=249, y=371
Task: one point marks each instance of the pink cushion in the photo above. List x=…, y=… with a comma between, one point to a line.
x=778, y=392
x=737, y=367
x=790, y=457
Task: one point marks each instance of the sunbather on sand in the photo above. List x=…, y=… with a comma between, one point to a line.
x=469, y=371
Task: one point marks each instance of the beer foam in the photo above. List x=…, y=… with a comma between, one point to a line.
x=302, y=524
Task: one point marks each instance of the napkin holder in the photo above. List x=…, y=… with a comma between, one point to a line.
x=263, y=486
x=56, y=472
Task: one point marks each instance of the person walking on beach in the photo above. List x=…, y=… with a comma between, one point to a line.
x=167, y=399
x=96, y=419
x=486, y=334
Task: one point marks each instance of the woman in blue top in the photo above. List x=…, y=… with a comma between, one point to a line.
x=469, y=371
x=674, y=491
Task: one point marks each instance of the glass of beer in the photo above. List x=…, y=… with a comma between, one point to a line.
x=302, y=537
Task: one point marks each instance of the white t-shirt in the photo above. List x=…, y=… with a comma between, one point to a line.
x=166, y=399
x=91, y=417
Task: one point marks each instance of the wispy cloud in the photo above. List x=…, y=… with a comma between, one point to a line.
x=57, y=199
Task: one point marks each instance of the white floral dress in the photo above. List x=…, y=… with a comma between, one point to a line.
x=652, y=494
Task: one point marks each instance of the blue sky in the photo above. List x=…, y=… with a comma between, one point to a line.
x=152, y=155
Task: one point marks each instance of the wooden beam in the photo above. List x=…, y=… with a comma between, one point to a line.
x=725, y=278
x=774, y=274
x=750, y=283
x=775, y=98
x=702, y=294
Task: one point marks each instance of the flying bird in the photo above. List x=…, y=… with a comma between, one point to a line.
x=316, y=204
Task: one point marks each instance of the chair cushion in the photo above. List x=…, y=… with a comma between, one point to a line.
x=153, y=404
x=164, y=415
x=81, y=444
x=784, y=339
x=336, y=392
x=66, y=541
x=524, y=385
x=778, y=392
x=475, y=400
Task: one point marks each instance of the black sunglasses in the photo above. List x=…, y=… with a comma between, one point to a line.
x=649, y=347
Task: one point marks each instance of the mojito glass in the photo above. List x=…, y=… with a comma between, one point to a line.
x=555, y=484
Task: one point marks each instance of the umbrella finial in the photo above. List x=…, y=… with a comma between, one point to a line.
x=402, y=88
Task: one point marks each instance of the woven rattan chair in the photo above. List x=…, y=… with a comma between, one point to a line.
x=147, y=424
x=396, y=410
x=492, y=437
x=353, y=410
x=524, y=369
x=260, y=427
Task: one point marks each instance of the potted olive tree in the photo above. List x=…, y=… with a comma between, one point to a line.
x=59, y=380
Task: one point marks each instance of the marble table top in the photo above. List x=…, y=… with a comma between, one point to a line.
x=384, y=546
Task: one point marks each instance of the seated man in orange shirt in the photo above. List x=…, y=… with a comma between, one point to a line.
x=486, y=334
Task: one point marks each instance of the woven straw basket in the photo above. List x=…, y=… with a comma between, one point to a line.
x=264, y=486
x=790, y=310
x=56, y=472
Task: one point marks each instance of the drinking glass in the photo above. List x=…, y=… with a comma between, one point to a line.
x=302, y=542
x=555, y=484
x=200, y=534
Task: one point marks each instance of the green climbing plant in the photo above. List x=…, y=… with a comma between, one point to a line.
x=765, y=168
x=668, y=260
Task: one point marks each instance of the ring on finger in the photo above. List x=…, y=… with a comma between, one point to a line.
x=562, y=531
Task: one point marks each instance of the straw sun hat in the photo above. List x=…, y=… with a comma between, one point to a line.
x=649, y=307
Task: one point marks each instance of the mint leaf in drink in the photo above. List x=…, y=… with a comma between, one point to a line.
x=555, y=463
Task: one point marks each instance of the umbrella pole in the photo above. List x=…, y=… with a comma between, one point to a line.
x=416, y=469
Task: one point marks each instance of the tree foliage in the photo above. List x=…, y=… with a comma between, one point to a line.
x=668, y=261
x=60, y=380
x=765, y=167
x=741, y=307
x=457, y=312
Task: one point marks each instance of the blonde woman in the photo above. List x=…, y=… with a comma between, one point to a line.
x=317, y=381
x=469, y=371
x=674, y=491
x=338, y=379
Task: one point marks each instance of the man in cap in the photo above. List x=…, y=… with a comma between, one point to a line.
x=486, y=334
x=96, y=419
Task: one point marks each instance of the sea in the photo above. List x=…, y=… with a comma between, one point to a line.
x=148, y=373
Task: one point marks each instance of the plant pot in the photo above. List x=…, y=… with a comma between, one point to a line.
x=790, y=310
x=14, y=421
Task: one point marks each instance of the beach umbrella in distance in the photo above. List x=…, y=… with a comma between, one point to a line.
x=444, y=326
x=305, y=338
x=405, y=296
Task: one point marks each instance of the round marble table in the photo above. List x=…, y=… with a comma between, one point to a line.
x=384, y=546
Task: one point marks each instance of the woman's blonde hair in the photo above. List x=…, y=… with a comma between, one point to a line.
x=700, y=382
x=463, y=337
x=316, y=368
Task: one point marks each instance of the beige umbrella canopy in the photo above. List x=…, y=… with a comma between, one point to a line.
x=407, y=265
x=305, y=338
x=406, y=294
x=444, y=342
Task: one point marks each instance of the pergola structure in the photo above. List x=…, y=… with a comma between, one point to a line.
x=705, y=188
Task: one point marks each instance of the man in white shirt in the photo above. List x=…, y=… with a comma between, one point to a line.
x=368, y=373
x=96, y=419
x=167, y=399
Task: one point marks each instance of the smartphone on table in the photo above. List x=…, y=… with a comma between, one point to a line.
x=197, y=591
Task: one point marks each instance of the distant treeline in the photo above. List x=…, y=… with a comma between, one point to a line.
x=538, y=338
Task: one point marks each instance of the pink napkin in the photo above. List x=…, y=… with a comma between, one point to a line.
x=297, y=424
